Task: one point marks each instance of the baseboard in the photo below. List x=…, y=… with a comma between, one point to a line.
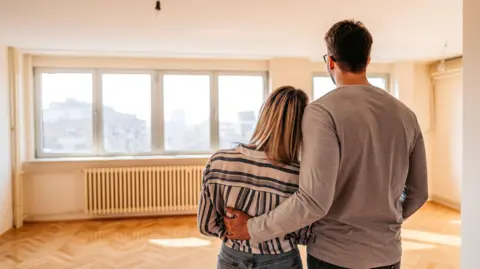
x=57, y=217
x=446, y=202
x=76, y=216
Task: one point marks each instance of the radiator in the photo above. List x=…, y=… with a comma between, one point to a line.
x=162, y=189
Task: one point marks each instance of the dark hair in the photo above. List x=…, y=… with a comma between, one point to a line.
x=349, y=44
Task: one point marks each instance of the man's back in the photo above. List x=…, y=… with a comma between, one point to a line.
x=361, y=148
x=376, y=135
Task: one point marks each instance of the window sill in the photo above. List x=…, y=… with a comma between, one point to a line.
x=76, y=164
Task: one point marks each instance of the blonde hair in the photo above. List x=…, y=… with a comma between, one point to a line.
x=278, y=132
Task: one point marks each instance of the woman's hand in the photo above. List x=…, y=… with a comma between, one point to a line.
x=236, y=225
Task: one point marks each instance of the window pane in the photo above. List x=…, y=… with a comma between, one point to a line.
x=378, y=82
x=239, y=99
x=66, y=113
x=321, y=86
x=126, y=112
x=187, y=112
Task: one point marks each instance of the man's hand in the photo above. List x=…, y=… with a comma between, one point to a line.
x=237, y=228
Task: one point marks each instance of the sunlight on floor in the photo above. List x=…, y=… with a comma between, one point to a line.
x=457, y=222
x=191, y=242
x=428, y=237
x=410, y=245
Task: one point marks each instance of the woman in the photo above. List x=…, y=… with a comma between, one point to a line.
x=256, y=178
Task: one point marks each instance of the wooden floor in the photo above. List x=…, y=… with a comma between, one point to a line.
x=431, y=241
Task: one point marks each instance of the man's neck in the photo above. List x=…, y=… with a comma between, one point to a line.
x=346, y=79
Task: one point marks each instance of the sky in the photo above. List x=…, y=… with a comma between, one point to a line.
x=236, y=94
x=61, y=86
x=190, y=93
x=126, y=93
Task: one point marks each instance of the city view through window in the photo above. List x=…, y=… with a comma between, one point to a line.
x=68, y=121
x=187, y=112
x=239, y=102
x=126, y=113
x=67, y=113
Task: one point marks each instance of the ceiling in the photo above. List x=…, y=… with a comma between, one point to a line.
x=402, y=30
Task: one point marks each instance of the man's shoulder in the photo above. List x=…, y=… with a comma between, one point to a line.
x=353, y=99
x=330, y=100
x=357, y=93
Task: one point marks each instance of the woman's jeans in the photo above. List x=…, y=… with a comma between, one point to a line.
x=234, y=259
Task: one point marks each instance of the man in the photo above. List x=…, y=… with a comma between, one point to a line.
x=361, y=148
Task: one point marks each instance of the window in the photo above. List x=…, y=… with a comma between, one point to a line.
x=321, y=86
x=324, y=84
x=66, y=122
x=378, y=82
x=126, y=113
x=239, y=101
x=112, y=113
x=187, y=112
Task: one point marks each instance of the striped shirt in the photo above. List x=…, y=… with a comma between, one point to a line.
x=244, y=179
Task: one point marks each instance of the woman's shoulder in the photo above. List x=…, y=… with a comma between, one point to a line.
x=246, y=155
x=225, y=153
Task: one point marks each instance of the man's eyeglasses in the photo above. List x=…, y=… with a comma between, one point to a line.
x=325, y=58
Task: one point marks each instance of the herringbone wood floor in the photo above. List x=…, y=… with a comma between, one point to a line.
x=431, y=241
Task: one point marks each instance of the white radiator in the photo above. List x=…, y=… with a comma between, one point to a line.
x=162, y=189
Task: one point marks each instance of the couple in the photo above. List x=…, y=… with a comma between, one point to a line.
x=344, y=198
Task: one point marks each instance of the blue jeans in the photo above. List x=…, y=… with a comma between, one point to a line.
x=234, y=259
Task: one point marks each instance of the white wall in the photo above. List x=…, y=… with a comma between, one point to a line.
x=437, y=101
x=291, y=71
x=6, y=214
x=447, y=139
x=55, y=190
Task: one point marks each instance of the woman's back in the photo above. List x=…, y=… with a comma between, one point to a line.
x=256, y=179
x=243, y=178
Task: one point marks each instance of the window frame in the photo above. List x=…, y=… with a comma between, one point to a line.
x=98, y=131
x=157, y=109
x=385, y=76
x=266, y=93
x=37, y=73
x=162, y=150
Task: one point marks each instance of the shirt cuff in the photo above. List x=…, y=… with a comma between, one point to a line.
x=251, y=231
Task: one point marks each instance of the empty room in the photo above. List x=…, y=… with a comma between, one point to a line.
x=238, y=134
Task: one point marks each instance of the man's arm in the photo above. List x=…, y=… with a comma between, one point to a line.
x=417, y=180
x=318, y=175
